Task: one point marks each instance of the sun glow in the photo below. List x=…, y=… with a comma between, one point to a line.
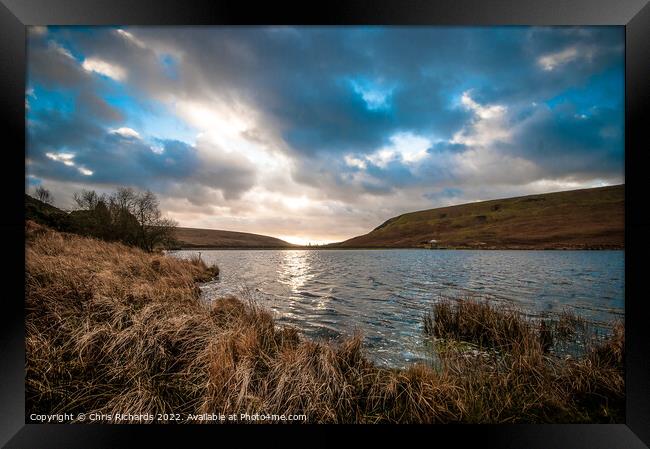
x=296, y=203
x=304, y=240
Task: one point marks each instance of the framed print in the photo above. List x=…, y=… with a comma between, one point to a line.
x=358, y=217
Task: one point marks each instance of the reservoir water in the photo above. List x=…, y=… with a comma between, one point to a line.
x=384, y=293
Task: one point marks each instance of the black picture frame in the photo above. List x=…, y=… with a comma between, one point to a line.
x=633, y=14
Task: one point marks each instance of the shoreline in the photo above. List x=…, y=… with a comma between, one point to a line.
x=293, y=248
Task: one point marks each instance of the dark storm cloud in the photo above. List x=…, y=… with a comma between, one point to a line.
x=91, y=105
x=506, y=106
x=298, y=77
x=303, y=81
x=50, y=65
x=567, y=142
x=301, y=78
x=507, y=65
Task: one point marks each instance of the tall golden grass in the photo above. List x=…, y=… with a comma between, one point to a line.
x=112, y=329
x=514, y=376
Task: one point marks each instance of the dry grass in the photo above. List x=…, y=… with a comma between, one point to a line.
x=481, y=323
x=113, y=329
x=513, y=377
x=568, y=324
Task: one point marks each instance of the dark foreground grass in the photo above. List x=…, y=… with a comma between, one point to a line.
x=112, y=329
x=515, y=374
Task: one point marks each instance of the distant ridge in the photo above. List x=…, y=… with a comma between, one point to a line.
x=576, y=219
x=213, y=238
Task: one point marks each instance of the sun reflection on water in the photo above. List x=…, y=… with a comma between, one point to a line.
x=295, y=269
x=297, y=272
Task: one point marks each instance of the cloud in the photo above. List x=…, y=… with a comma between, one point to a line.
x=488, y=125
x=121, y=156
x=405, y=149
x=104, y=68
x=555, y=60
x=52, y=67
x=90, y=104
x=352, y=161
x=65, y=158
x=324, y=131
x=552, y=60
x=53, y=46
x=131, y=38
x=126, y=133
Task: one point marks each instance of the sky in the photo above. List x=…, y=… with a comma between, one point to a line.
x=318, y=134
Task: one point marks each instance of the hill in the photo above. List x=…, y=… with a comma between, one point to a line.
x=60, y=220
x=577, y=219
x=46, y=214
x=212, y=238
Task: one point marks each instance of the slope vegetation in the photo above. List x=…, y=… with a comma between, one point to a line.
x=212, y=238
x=577, y=219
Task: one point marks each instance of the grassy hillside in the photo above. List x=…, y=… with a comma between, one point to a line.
x=46, y=214
x=212, y=238
x=589, y=218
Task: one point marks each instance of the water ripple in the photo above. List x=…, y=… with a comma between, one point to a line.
x=383, y=293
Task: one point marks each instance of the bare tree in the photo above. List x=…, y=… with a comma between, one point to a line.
x=155, y=230
x=88, y=199
x=124, y=198
x=125, y=225
x=93, y=215
x=44, y=195
x=125, y=215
